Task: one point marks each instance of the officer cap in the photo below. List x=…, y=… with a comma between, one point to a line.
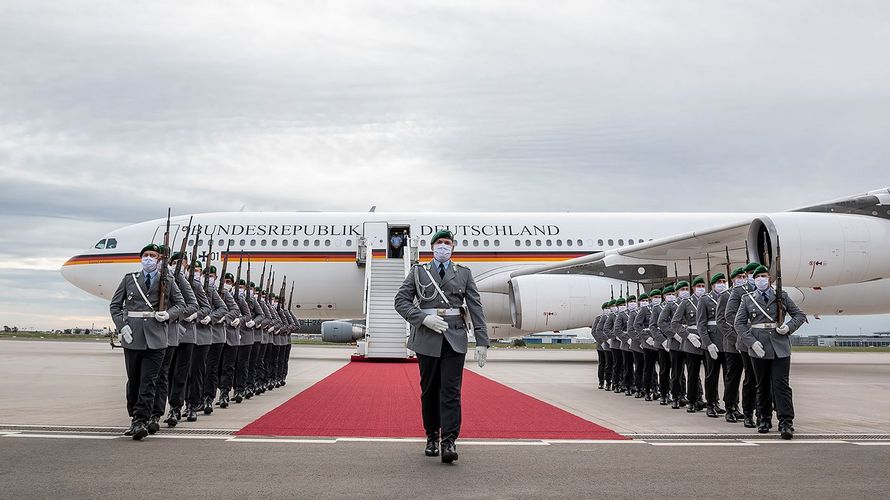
x=716, y=277
x=229, y=276
x=655, y=292
x=735, y=272
x=698, y=281
x=681, y=284
x=442, y=233
x=211, y=269
x=620, y=301
x=151, y=247
x=751, y=267
x=632, y=298
x=644, y=296
x=668, y=289
x=760, y=270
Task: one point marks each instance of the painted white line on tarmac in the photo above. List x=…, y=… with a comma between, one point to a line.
x=184, y=436
x=797, y=441
x=273, y=440
x=594, y=441
x=872, y=443
x=383, y=440
x=62, y=436
x=503, y=443
x=694, y=443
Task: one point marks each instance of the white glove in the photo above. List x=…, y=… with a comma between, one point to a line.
x=191, y=318
x=630, y=342
x=694, y=339
x=435, y=323
x=220, y=320
x=162, y=316
x=270, y=329
x=665, y=346
x=481, y=355
x=205, y=320
x=758, y=349
x=712, y=350
x=783, y=330
x=250, y=324
x=650, y=341
x=236, y=322
x=126, y=334
x=678, y=338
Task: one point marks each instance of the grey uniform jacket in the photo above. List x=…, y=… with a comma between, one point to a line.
x=233, y=336
x=148, y=333
x=706, y=320
x=178, y=325
x=665, y=327
x=619, y=331
x=775, y=345
x=259, y=317
x=641, y=325
x=654, y=330
x=220, y=312
x=597, y=332
x=268, y=321
x=459, y=289
x=246, y=334
x=189, y=331
x=731, y=340
x=634, y=334
x=684, y=323
x=608, y=323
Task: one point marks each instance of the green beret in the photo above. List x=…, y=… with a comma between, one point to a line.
x=681, y=284
x=150, y=247
x=698, y=281
x=163, y=250
x=751, y=267
x=442, y=233
x=644, y=296
x=211, y=269
x=252, y=284
x=229, y=276
x=735, y=272
x=612, y=302
x=176, y=256
x=632, y=298
x=620, y=301
x=605, y=305
x=760, y=270
x=241, y=283
x=197, y=264
x=716, y=277
x=668, y=289
x=654, y=292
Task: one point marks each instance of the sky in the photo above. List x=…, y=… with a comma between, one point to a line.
x=110, y=112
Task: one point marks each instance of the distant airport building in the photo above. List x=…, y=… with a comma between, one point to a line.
x=881, y=339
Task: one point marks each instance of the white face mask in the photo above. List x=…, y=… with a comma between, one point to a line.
x=632, y=306
x=197, y=276
x=622, y=308
x=670, y=297
x=241, y=290
x=613, y=309
x=761, y=283
x=684, y=294
x=442, y=252
x=739, y=282
x=149, y=264
x=212, y=281
x=751, y=281
x=656, y=301
x=720, y=287
x=699, y=291
x=228, y=287
x=644, y=303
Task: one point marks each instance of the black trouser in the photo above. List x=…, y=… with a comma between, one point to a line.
x=600, y=366
x=142, y=374
x=693, y=376
x=772, y=384
x=162, y=384
x=678, y=361
x=649, y=358
x=196, y=375
x=713, y=368
x=617, y=366
x=282, y=361
x=639, y=361
x=268, y=363
x=749, y=386
x=440, y=383
x=607, y=366
x=732, y=377
x=664, y=372
x=256, y=372
x=211, y=376
x=227, y=368
x=179, y=373
x=242, y=367
x=628, y=363
x=287, y=357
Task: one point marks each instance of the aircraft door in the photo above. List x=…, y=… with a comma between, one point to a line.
x=376, y=234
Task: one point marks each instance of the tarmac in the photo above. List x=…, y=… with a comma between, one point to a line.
x=61, y=414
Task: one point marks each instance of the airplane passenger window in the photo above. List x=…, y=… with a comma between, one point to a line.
x=200, y=243
x=475, y=243
x=549, y=243
x=317, y=242
x=296, y=243
x=348, y=243
x=100, y=245
x=242, y=243
x=253, y=243
x=485, y=243
x=537, y=243
x=191, y=242
x=221, y=243
x=466, y=243
x=262, y=243
x=327, y=243
x=305, y=243
x=518, y=243
x=112, y=243
x=580, y=243
x=284, y=243
x=599, y=242
x=611, y=242
x=423, y=243
x=274, y=243
x=568, y=243
x=528, y=243
x=559, y=243
x=620, y=242
x=497, y=243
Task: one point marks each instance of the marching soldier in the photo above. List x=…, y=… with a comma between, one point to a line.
x=245, y=345
x=749, y=386
x=712, y=341
x=647, y=342
x=259, y=362
x=769, y=346
x=174, y=331
x=732, y=374
x=634, y=343
x=217, y=341
x=204, y=338
x=260, y=320
x=614, y=347
x=142, y=326
x=232, y=325
x=661, y=343
x=619, y=333
x=270, y=356
x=448, y=308
x=603, y=366
x=683, y=323
x=675, y=343
x=284, y=352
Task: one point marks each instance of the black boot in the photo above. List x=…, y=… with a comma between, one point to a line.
x=139, y=430
x=675, y=405
x=712, y=411
x=223, y=399
x=131, y=430
x=765, y=425
x=749, y=421
x=786, y=428
x=690, y=408
x=153, y=425
x=608, y=386
x=600, y=386
x=730, y=417
x=248, y=393
x=239, y=396
x=700, y=405
x=735, y=411
x=191, y=415
x=173, y=417
x=683, y=401
x=639, y=395
x=648, y=396
x=449, y=450
x=208, y=405
x=720, y=411
x=664, y=401
x=432, y=445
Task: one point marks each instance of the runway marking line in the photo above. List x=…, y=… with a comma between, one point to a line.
x=61, y=436
x=875, y=443
x=694, y=443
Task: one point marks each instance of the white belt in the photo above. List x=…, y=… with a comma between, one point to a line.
x=765, y=326
x=645, y=329
x=442, y=312
x=712, y=323
x=145, y=314
x=692, y=328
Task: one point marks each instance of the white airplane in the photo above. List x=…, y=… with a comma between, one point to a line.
x=536, y=271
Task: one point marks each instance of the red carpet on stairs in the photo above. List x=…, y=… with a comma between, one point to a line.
x=383, y=400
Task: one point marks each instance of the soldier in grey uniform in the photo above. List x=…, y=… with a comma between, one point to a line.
x=749, y=387
x=217, y=343
x=245, y=344
x=684, y=324
x=204, y=337
x=284, y=350
x=602, y=345
x=142, y=328
x=635, y=344
x=769, y=346
x=260, y=320
x=619, y=333
x=448, y=306
x=709, y=309
x=608, y=329
x=732, y=370
x=662, y=345
x=675, y=343
x=270, y=361
x=647, y=344
x=233, y=339
x=186, y=316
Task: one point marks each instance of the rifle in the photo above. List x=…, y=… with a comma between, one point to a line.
x=281, y=293
x=248, y=280
x=185, y=238
x=676, y=274
x=194, y=259
x=162, y=289
x=747, y=255
x=262, y=277
x=271, y=284
x=638, y=292
x=612, y=291
x=728, y=272
x=290, y=301
x=207, y=266
x=708, y=271
x=222, y=275
x=238, y=277
x=780, y=302
x=690, y=273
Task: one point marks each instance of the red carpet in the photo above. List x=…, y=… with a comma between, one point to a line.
x=383, y=400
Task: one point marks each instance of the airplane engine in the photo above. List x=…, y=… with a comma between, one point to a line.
x=820, y=250
x=551, y=302
x=342, y=332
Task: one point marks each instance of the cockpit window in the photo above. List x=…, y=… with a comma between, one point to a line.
x=112, y=243
x=100, y=245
